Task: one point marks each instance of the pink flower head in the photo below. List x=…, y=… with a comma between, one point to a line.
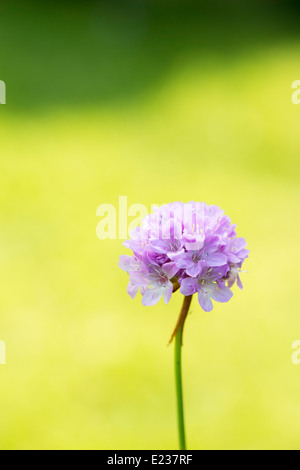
x=191, y=245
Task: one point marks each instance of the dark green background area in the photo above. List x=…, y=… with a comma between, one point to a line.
x=93, y=52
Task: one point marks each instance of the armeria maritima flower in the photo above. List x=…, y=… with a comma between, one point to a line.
x=192, y=246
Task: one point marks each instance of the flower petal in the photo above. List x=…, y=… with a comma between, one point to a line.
x=151, y=297
x=221, y=295
x=239, y=282
x=205, y=301
x=194, y=270
x=189, y=286
x=125, y=262
x=216, y=259
x=170, y=269
x=167, y=292
x=132, y=289
x=232, y=258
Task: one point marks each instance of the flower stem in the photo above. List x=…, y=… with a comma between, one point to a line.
x=178, y=373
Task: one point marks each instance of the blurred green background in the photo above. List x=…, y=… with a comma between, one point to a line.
x=159, y=100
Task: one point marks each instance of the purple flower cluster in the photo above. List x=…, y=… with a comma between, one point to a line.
x=191, y=245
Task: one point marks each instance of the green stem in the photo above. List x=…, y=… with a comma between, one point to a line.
x=178, y=373
x=178, y=379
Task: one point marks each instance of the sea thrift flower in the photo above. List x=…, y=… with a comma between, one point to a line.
x=193, y=246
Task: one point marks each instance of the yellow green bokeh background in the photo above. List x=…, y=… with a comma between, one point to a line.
x=169, y=101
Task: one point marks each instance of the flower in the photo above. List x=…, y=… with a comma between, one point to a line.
x=191, y=245
x=209, y=285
